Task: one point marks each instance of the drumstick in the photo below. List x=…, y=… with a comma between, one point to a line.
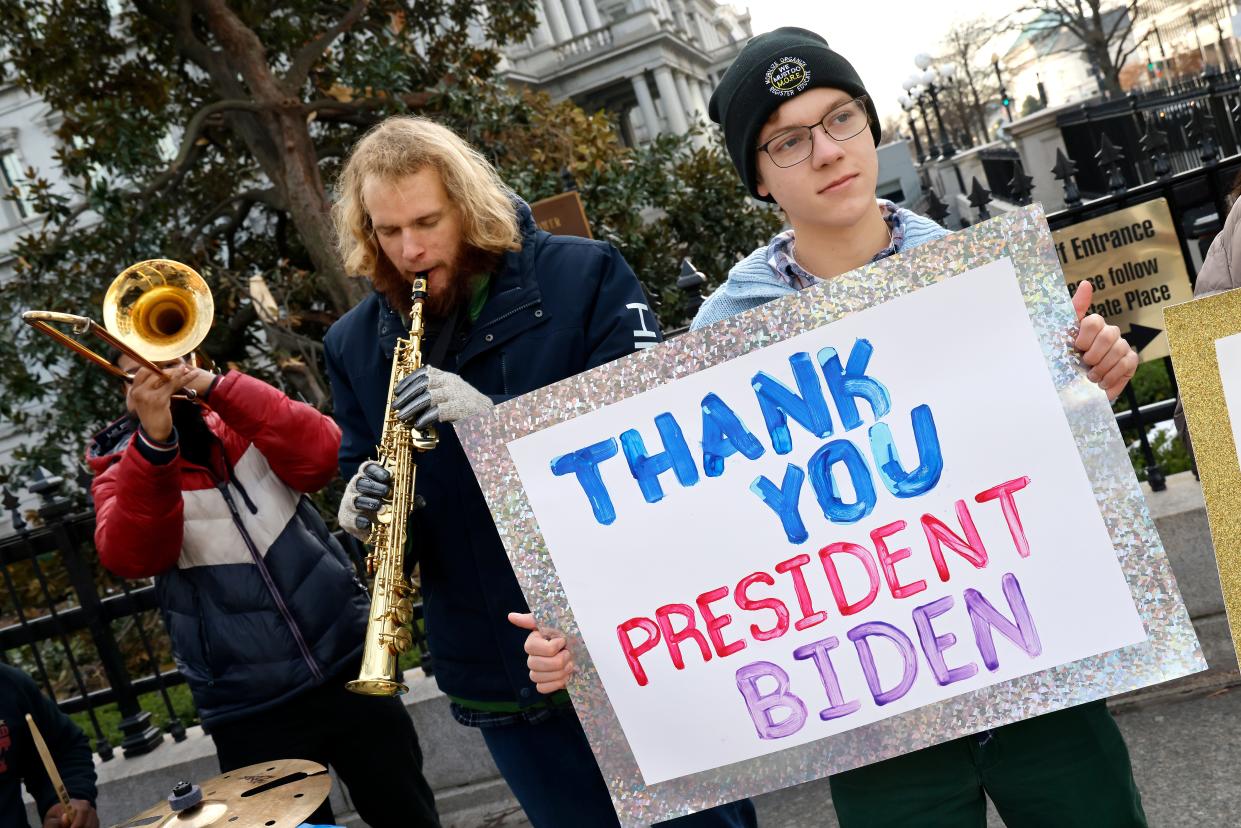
x=52, y=773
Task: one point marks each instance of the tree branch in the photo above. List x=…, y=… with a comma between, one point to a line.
x=411, y=100
x=309, y=54
x=246, y=52
x=199, y=119
x=266, y=196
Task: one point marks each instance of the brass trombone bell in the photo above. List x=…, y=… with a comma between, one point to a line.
x=154, y=311
x=160, y=308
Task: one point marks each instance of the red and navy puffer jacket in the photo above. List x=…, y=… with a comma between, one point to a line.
x=261, y=602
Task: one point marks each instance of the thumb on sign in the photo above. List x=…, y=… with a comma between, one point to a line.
x=1081, y=299
x=1110, y=361
x=549, y=660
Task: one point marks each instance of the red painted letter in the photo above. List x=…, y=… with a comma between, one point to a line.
x=888, y=561
x=808, y=615
x=673, y=638
x=632, y=652
x=715, y=623
x=774, y=604
x=1004, y=493
x=970, y=548
x=833, y=577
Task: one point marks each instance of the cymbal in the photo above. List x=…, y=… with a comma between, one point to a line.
x=276, y=794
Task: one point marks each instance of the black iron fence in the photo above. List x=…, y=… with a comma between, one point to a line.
x=1197, y=196
x=88, y=638
x=1159, y=131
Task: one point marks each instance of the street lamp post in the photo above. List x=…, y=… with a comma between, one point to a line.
x=1004, y=99
x=952, y=84
x=907, y=105
x=913, y=87
x=929, y=77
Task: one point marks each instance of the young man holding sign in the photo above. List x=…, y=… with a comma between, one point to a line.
x=802, y=133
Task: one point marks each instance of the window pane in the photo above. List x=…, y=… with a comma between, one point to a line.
x=12, y=172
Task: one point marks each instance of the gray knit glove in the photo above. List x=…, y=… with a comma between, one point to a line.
x=362, y=499
x=429, y=396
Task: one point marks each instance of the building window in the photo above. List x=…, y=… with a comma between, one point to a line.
x=12, y=175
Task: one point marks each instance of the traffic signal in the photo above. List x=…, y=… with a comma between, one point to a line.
x=1006, y=100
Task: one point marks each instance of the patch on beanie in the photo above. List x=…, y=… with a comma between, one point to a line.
x=787, y=76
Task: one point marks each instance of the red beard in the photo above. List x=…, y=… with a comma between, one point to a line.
x=444, y=293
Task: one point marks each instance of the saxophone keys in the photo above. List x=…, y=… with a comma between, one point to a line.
x=402, y=611
x=400, y=641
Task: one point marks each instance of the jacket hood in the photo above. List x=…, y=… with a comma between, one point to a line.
x=109, y=442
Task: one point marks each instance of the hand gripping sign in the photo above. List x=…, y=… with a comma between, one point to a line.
x=882, y=513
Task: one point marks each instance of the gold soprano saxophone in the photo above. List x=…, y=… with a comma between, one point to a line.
x=387, y=632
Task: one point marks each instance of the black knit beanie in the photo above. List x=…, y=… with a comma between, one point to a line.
x=771, y=69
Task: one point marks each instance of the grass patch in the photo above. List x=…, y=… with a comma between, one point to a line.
x=109, y=716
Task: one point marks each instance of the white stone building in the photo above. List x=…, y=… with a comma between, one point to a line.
x=652, y=64
x=26, y=140
x=1050, y=53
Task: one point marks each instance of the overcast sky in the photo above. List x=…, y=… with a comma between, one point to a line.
x=879, y=37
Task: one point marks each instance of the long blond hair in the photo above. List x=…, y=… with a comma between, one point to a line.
x=403, y=145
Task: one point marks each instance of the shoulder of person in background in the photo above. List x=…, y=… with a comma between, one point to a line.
x=1221, y=270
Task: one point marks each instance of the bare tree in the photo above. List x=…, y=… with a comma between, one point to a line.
x=961, y=46
x=1104, y=35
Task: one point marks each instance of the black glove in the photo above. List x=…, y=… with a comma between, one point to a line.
x=429, y=396
x=363, y=497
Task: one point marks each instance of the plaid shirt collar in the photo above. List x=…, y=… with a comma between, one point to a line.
x=781, y=249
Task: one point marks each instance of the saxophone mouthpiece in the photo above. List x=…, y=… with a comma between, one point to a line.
x=420, y=285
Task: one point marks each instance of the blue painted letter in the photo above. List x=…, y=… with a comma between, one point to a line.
x=825, y=489
x=585, y=464
x=783, y=501
x=779, y=403
x=930, y=462
x=646, y=469
x=723, y=434
x=851, y=381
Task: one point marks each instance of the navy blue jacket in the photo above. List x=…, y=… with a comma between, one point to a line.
x=19, y=758
x=557, y=307
x=260, y=601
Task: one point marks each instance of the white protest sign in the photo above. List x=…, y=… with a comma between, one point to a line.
x=878, y=514
x=707, y=664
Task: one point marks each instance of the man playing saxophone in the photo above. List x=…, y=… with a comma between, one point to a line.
x=265, y=611
x=509, y=308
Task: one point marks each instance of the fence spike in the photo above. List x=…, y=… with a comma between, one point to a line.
x=13, y=505
x=936, y=209
x=979, y=198
x=1021, y=185
x=1203, y=129
x=1110, y=159
x=1064, y=171
x=1155, y=144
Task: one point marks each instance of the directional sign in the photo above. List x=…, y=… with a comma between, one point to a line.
x=562, y=215
x=1133, y=260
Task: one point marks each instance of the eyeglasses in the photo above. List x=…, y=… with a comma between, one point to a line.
x=795, y=144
